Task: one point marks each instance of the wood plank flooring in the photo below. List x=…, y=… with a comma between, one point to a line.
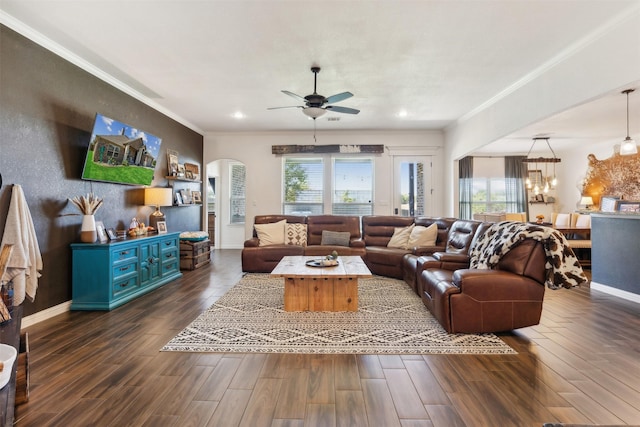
x=580, y=365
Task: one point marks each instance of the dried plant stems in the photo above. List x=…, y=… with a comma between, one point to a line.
x=88, y=204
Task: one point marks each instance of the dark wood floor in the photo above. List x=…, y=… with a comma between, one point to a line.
x=580, y=365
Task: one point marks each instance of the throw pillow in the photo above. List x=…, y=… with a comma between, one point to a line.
x=272, y=233
x=335, y=238
x=423, y=236
x=296, y=234
x=400, y=237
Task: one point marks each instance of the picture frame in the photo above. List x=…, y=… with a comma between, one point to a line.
x=188, y=174
x=608, y=203
x=196, y=196
x=186, y=196
x=162, y=227
x=180, y=170
x=628, y=206
x=172, y=163
x=102, y=234
x=535, y=176
x=111, y=233
x=178, y=198
x=540, y=198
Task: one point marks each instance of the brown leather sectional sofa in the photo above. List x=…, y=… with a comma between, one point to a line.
x=463, y=300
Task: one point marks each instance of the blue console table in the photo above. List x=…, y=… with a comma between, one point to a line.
x=107, y=275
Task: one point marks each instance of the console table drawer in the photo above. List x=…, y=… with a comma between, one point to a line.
x=125, y=269
x=122, y=287
x=124, y=254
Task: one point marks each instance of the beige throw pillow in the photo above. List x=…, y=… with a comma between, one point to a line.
x=423, y=236
x=400, y=237
x=272, y=233
x=296, y=234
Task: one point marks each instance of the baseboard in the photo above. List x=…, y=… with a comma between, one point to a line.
x=615, y=292
x=46, y=314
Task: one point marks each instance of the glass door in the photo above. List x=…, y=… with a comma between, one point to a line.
x=412, y=185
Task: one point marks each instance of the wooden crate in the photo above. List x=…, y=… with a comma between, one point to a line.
x=194, y=254
x=193, y=262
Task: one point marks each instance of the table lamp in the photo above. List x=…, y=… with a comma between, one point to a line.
x=587, y=202
x=157, y=196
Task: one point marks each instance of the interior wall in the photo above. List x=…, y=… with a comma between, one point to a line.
x=47, y=114
x=264, y=170
x=607, y=61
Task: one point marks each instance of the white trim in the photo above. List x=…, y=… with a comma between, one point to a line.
x=46, y=314
x=630, y=296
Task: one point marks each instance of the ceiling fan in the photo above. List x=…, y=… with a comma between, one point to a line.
x=316, y=105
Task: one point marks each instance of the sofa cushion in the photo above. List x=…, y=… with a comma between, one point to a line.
x=335, y=238
x=271, y=234
x=400, y=237
x=423, y=236
x=296, y=234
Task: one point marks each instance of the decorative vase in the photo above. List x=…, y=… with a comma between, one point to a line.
x=88, y=232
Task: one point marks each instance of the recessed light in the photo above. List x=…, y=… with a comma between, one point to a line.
x=402, y=113
x=238, y=115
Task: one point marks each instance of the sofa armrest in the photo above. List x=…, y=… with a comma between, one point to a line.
x=252, y=243
x=357, y=243
x=496, y=285
x=426, y=250
x=452, y=257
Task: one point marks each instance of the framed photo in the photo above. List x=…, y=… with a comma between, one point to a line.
x=196, y=196
x=111, y=233
x=535, y=176
x=180, y=170
x=172, y=162
x=608, y=203
x=162, y=227
x=186, y=196
x=628, y=206
x=188, y=174
x=539, y=197
x=178, y=198
x=100, y=230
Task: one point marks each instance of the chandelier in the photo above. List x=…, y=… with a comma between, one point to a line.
x=545, y=184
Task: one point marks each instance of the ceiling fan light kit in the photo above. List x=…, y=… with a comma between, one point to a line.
x=628, y=146
x=316, y=105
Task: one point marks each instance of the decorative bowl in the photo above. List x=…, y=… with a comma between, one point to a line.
x=8, y=355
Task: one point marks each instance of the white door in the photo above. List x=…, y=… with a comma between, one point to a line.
x=412, y=186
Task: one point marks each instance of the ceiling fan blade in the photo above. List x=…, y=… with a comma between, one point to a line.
x=290, y=106
x=339, y=109
x=339, y=97
x=298, y=97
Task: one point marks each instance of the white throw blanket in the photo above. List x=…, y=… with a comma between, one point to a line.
x=25, y=262
x=562, y=266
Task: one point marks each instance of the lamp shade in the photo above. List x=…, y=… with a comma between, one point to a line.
x=628, y=147
x=586, y=201
x=158, y=196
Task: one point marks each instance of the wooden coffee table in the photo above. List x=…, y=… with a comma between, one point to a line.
x=333, y=288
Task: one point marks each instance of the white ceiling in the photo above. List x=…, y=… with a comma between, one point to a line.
x=203, y=61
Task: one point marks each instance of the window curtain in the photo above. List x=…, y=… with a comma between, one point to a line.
x=515, y=173
x=465, y=174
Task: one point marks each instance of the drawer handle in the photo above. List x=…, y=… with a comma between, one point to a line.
x=124, y=285
x=124, y=253
x=124, y=268
x=168, y=243
x=150, y=260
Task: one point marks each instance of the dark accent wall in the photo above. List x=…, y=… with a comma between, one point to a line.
x=47, y=108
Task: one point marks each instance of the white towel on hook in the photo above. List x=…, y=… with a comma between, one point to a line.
x=26, y=261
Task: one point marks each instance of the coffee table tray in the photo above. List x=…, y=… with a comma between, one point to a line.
x=319, y=263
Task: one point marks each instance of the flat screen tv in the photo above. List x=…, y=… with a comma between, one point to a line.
x=120, y=153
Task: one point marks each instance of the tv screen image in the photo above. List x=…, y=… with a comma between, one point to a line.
x=120, y=153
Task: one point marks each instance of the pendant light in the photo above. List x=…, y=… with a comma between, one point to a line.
x=546, y=160
x=628, y=146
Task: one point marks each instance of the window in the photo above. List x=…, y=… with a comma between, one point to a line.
x=352, y=186
x=489, y=194
x=303, y=186
x=237, y=179
x=305, y=180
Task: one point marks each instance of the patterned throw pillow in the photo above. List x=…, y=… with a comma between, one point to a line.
x=296, y=234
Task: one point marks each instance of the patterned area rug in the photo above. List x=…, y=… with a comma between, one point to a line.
x=391, y=319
